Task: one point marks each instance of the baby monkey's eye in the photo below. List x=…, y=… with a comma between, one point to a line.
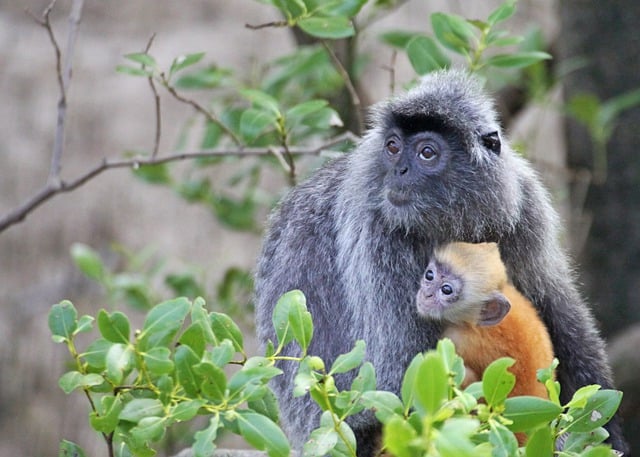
x=428, y=275
x=446, y=289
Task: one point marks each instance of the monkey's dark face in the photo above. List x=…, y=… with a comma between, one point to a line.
x=439, y=293
x=410, y=161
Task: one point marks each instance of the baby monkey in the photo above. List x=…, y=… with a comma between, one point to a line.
x=465, y=285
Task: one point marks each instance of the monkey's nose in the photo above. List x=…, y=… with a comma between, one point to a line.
x=402, y=170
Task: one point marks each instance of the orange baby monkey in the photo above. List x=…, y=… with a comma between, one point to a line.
x=465, y=285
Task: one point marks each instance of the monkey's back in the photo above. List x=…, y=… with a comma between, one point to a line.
x=521, y=335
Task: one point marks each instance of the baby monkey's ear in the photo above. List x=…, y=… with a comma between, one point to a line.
x=494, y=310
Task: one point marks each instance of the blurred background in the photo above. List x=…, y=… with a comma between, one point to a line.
x=576, y=118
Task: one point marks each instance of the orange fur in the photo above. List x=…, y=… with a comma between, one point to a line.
x=521, y=335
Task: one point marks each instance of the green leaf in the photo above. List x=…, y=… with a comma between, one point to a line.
x=225, y=328
x=409, y=381
x=139, y=408
x=291, y=8
x=186, y=410
x=63, y=321
x=280, y=316
x=162, y=323
x=598, y=451
x=349, y=361
x=149, y=429
x=599, y=409
x=70, y=449
x=88, y=261
x=541, y=443
x=194, y=337
x=254, y=122
x=263, y=434
x=262, y=100
x=96, y=353
x=200, y=315
x=184, y=61
x=158, y=360
x=397, y=437
x=185, y=359
x=109, y=411
x=203, y=445
x=214, y=382
x=528, y=412
x=577, y=442
x=432, y=384
x=452, y=32
x=425, y=55
x=114, y=327
x=497, y=382
x=582, y=395
x=223, y=354
x=347, y=8
x=503, y=12
x=454, y=438
x=142, y=58
x=366, y=379
x=134, y=71
x=346, y=439
x=153, y=174
x=298, y=113
x=119, y=361
x=399, y=38
x=85, y=324
x=203, y=78
x=267, y=406
x=243, y=383
x=321, y=441
x=73, y=380
x=385, y=405
x=504, y=442
x=300, y=323
x=518, y=59
x=185, y=285
x=327, y=27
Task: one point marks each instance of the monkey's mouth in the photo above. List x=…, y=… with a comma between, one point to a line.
x=398, y=197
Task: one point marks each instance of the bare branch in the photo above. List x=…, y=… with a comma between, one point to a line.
x=266, y=25
x=353, y=93
x=53, y=188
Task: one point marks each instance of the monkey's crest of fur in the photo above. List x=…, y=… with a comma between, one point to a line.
x=483, y=259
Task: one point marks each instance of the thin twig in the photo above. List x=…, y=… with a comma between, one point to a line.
x=353, y=93
x=156, y=98
x=53, y=188
x=267, y=24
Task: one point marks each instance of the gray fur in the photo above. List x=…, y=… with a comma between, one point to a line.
x=358, y=258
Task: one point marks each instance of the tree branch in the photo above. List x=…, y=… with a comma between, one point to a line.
x=53, y=188
x=156, y=99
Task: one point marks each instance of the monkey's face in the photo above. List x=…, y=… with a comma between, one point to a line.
x=439, y=293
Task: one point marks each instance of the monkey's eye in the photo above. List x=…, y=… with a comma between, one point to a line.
x=392, y=145
x=446, y=289
x=427, y=153
x=428, y=275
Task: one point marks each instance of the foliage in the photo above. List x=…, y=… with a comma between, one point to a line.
x=176, y=367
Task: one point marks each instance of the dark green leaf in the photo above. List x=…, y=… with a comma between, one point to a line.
x=88, y=261
x=385, y=405
x=184, y=61
x=184, y=285
x=200, y=315
x=598, y=411
x=194, y=337
x=518, y=59
x=186, y=410
x=162, y=323
x=139, y=408
x=280, y=317
x=267, y=406
x=73, y=380
x=497, y=382
x=225, y=328
x=114, y=327
x=158, y=360
x=327, y=27
x=107, y=419
x=263, y=434
x=425, y=55
x=203, y=445
x=528, y=413
x=185, y=359
x=300, y=323
x=409, y=381
x=254, y=122
x=432, y=384
x=69, y=449
x=349, y=361
x=214, y=381
x=63, y=321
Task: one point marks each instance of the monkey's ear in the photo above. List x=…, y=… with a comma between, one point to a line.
x=494, y=310
x=491, y=141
